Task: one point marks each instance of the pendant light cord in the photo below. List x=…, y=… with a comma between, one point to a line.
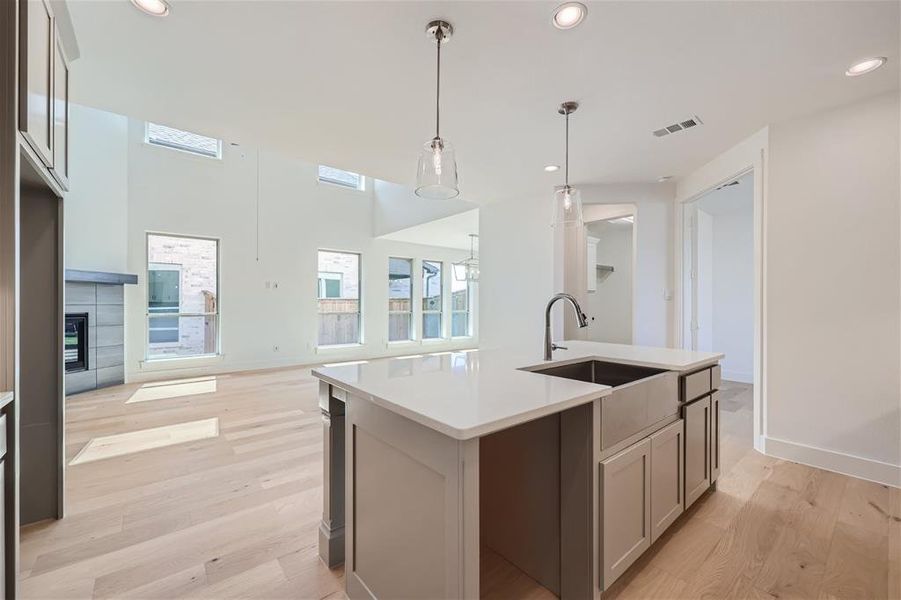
x=439, y=35
x=566, y=167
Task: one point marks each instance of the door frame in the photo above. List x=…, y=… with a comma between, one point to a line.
x=750, y=155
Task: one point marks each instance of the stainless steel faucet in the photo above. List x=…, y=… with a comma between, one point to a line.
x=549, y=347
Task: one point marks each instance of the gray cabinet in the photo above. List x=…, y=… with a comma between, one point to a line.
x=714, y=436
x=667, y=482
x=625, y=508
x=37, y=40
x=697, y=449
x=44, y=89
x=60, y=168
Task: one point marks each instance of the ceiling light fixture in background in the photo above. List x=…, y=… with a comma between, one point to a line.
x=867, y=65
x=664, y=178
x=569, y=15
x=436, y=175
x=468, y=268
x=567, y=199
x=154, y=8
x=552, y=168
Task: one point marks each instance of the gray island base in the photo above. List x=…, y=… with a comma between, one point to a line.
x=568, y=469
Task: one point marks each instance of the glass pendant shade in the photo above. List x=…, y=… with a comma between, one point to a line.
x=436, y=177
x=567, y=207
x=468, y=269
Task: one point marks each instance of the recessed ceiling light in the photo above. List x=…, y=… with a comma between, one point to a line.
x=156, y=8
x=866, y=65
x=569, y=14
x=664, y=178
x=552, y=168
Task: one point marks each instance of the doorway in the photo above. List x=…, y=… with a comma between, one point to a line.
x=609, y=245
x=718, y=287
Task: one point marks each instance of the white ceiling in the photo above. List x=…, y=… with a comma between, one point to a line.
x=351, y=84
x=448, y=232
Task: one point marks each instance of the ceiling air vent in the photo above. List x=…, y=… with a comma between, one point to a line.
x=681, y=125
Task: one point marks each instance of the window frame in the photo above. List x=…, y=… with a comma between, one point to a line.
x=412, y=312
x=440, y=312
x=361, y=181
x=216, y=315
x=360, y=331
x=180, y=147
x=467, y=312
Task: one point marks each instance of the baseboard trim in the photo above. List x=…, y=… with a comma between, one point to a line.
x=837, y=462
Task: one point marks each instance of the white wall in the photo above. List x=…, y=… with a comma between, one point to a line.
x=833, y=325
x=517, y=260
x=397, y=207
x=828, y=225
x=273, y=240
x=523, y=258
x=96, y=211
x=609, y=308
x=733, y=292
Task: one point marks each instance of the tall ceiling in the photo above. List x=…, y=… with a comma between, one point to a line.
x=352, y=84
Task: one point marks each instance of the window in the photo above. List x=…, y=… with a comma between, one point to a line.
x=341, y=177
x=339, y=298
x=432, y=299
x=400, y=299
x=460, y=313
x=169, y=137
x=182, y=296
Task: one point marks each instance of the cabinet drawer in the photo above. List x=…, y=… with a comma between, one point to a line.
x=716, y=377
x=2, y=436
x=695, y=385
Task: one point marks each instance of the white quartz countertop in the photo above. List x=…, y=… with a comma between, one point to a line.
x=470, y=394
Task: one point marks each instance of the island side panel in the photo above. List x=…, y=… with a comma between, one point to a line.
x=412, y=525
x=331, y=528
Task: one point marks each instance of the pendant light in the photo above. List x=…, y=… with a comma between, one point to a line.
x=436, y=177
x=567, y=199
x=468, y=269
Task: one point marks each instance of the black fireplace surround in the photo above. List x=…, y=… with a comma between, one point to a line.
x=76, y=342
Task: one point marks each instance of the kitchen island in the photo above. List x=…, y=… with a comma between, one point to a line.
x=569, y=469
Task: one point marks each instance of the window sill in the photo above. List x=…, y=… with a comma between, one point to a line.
x=441, y=340
x=400, y=343
x=336, y=348
x=162, y=364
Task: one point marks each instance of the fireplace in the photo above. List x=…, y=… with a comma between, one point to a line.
x=76, y=342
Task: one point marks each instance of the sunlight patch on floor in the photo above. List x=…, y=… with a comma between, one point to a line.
x=120, y=444
x=173, y=389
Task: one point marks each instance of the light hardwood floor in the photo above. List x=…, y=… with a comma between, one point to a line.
x=236, y=515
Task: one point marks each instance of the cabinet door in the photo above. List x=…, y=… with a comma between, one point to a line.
x=36, y=77
x=3, y=527
x=697, y=449
x=714, y=436
x=60, y=115
x=626, y=509
x=667, y=491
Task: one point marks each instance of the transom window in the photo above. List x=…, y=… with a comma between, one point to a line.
x=340, y=317
x=400, y=299
x=341, y=177
x=186, y=141
x=432, y=300
x=182, y=296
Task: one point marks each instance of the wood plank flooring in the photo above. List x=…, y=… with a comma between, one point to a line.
x=236, y=515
